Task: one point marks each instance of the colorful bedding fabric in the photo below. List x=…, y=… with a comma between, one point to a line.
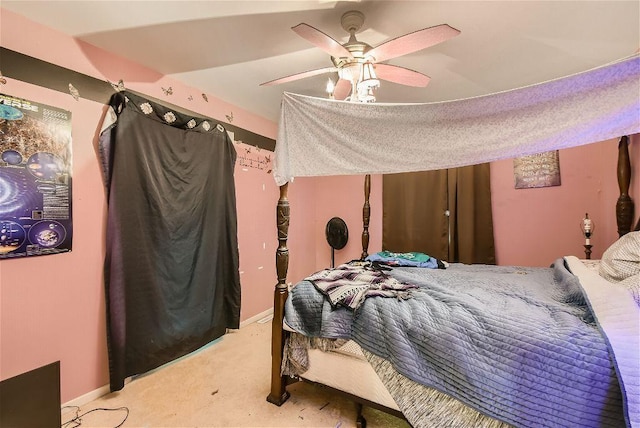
x=518, y=344
x=413, y=259
x=350, y=283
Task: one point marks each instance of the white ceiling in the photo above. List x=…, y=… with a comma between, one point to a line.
x=227, y=48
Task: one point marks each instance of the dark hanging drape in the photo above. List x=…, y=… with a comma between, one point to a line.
x=171, y=268
x=415, y=207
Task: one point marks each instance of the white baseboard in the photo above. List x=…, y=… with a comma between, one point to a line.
x=257, y=317
x=103, y=390
x=88, y=397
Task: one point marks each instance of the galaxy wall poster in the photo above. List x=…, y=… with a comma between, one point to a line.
x=35, y=179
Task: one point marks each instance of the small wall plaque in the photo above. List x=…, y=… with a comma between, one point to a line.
x=539, y=170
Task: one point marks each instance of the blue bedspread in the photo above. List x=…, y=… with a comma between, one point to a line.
x=518, y=344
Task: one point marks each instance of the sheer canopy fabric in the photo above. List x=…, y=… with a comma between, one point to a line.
x=318, y=136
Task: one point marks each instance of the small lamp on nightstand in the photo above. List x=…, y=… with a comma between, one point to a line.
x=587, y=227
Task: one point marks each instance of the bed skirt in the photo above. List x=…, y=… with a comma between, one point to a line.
x=422, y=406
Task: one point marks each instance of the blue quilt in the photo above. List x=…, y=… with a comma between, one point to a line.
x=518, y=344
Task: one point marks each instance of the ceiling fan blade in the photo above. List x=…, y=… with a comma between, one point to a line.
x=298, y=76
x=401, y=75
x=413, y=42
x=321, y=40
x=342, y=89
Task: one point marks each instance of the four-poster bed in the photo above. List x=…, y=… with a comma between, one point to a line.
x=357, y=380
x=626, y=123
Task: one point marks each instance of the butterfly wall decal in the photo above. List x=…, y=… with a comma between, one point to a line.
x=119, y=87
x=229, y=117
x=168, y=91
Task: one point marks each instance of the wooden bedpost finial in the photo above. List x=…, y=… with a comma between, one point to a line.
x=624, y=205
x=366, y=215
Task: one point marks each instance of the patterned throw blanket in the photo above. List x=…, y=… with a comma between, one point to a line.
x=350, y=283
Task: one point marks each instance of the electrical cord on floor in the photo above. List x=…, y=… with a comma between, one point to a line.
x=76, y=421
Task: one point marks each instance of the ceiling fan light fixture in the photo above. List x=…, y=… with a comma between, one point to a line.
x=363, y=90
x=350, y=72
x=345, y=73
x=331, y=86
x=368, y=76
x=366, y=95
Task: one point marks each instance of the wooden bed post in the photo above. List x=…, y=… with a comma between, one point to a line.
x=366, y=214
x=279, y=394
x=624, y=206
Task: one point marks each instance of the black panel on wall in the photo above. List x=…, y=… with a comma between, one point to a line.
x=35, y=71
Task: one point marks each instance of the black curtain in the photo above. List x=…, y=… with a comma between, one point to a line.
x=415, y=208
x=171, y=269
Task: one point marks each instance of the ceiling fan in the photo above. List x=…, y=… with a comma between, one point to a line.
x=359, y=65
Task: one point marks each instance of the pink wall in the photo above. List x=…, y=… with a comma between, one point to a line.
x=534, y=226
x=343, y=197
x=256, y=194
x=313, y=202
x=52, y=307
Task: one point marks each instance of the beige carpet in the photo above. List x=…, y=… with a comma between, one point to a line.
x=224, y=385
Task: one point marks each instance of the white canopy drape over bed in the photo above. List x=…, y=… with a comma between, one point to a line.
x=319, y=136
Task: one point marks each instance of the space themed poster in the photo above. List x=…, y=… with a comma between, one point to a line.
x=35, y=179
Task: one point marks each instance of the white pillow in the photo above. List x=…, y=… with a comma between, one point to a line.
x=622, y=259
